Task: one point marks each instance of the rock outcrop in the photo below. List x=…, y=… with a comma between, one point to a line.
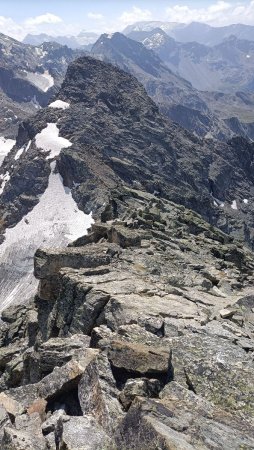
x=140, y=336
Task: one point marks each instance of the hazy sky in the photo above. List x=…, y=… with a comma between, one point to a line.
x=19, y=17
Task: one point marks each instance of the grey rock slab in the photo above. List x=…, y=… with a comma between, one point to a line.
x=139, y=387
x=140, y=359
x=135, y=308
x=83, y=433
x=49, y=262
x=216, y=369
x=207, y=423
x=21, y=440
x=50, y=354
x=67, y=377
x=98, y=395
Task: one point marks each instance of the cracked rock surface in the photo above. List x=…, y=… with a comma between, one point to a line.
x=146, y=341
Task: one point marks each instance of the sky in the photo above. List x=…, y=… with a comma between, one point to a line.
x=69, y=17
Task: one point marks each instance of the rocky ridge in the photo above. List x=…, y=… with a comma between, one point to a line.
x=83, y=40
x=111, y=134
x=140, y=336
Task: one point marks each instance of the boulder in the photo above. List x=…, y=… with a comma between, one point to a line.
x=21, y=440
x=84, y=433
x=215, y=369
x=129, y=359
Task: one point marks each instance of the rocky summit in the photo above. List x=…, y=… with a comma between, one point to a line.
x=140, y=334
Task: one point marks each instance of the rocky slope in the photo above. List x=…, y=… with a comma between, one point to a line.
x=29, y=77
x=103, y=132
x=140, y=336
x=212, y=114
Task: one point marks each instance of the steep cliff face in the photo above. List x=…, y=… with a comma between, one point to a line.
x=103, y=132
x=140, y=336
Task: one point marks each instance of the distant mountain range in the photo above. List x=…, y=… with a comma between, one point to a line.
x=83, y=40
x=207, y=114
x=182, y=78
x=195, y=31
x=225, y=67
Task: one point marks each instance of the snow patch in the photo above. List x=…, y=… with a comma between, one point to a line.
x=54, y=222
x=246, y=201
x=110, y=35
x=49, y=140
x=155, y=41
x=59, y=104
x=218, y=202
x=248, y=56
x=234, y=205
x=5, y=178
x=43, y=81
x=5, y=147
x=19, y=153
x=28, y=146
x=40, y=52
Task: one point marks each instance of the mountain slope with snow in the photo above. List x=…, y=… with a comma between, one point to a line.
x=29, y=77
x=227, y=67
x=55, y=219
x=110, y=135
x=201, y=33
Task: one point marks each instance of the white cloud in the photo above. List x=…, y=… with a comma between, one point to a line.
x=44, y=18
x=219, y=13
x=9, y=27
x=95, y=16
x=135, y=15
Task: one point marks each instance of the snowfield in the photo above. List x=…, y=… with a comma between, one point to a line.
x=5, y=147
x=48, y=140
x=53, y=222
x=43, y=81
